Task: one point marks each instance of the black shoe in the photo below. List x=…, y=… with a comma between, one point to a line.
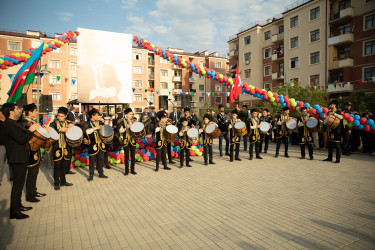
x=24, y=209
x=276, y=155
x=126, y=173
x=302, y=157
x=39, y=194
x=227, y=154
x=156, y=169
x=102, y=176
x=231, y=160
x=346, y=153
x=258, y=157
x=265, y=151
x=191, y=159
x=181, y=166
x=172, y=162
x=221, y=154
x=19, y=216
x=328, y=159
x=311, y=158
x=66, y=184
x=33, y=199
x=70, y=172
x=91, y=177
x=205, y=163
x=108, y=167
x=211, y=162
x=250, y=158
x=287, y=156
x=188, y=165
x=337, y=161
x=133, y=172
x=238, y=159
x=167, y=168
x=57, y=187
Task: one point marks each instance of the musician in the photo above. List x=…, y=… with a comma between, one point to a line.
x=334, y=136
x=192, y=123
x=265, y=117
x=222, y=122
x=282, y=134
x=347, y=131
x=107, y=146
x=254, y=134
x=184, y=142
x=243, y=116
x=207, y=139
x=174, y=116
x=31, y=112
x=17, y=151
x=304, y=134
x=234, y=138
x=161, y=143
x=62, y=152
x=71, y=115
x=270, y=117
x=94, y=144
x=128, y=140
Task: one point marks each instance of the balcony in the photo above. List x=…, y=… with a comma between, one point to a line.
x=343, y=61
x=340, y=39
x=177, y=78
x=277, y=76
x=178, y=91
x=277, y=57
x=344, y=88
x=347, y=62
x=192, y=79
x=342, y=15
x=233, y=53
x=277, y=38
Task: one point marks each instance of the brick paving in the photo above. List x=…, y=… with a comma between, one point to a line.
x=260, y=204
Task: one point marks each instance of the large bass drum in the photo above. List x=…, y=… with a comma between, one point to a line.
x=138, y=130
x=106, y=134
x=240, y=128
x=193, y=135
x=39, y=138
x=74, y=136
x=53, y=136
x=170, y=132
x=213, y=130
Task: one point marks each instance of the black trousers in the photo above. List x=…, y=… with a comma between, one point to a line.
x=345, y=143
x=284, y=140
x=59, y=171
x=266, y=142
x=222, y=136
x=237, y=151
x=98, y=159
x=184, y=153
x=132, y=156
x=19, y=176
x=161, y=152
x=251, y=151
x=209, y=147
x=105, y=158
x=336, y=145
x=32, y=174
x=309, y=146
x=245, y=139
x=169, y=152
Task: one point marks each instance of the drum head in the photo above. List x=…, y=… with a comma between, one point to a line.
x=74, y=133
x=239, y=125
x=326, y=119
x=43, y=132
x=172, y=129
x=292, y=124
x=210, y=128
x=106, y=131
x=311, y=123
x=53, y=134
x=192, y=133
x=264, y=126
x=137, y=127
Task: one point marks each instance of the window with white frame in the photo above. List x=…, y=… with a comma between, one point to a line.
x=247, y=73
x=137, y=69
x=294, y=62
x=150, y=97
x=73, y=96
x=201, y=87
x=217, y=87
x=267, y=70
x=218, y=99
x=201, y=99
x=315, y=35
x=218, y=65
x=137, y=97
x=370, y=21
x=73, y=51
x=247, y=57
x=247, y=40
x=314, y=13
x=370, y=48
x=56, y=95
x=162, y=60
x=314, y=80
x=73, y=66
x=293, y=22
x=137, y=56
x=54, y=79
x=54, y=64
x=314, y=57
x=164, y=85
x=35, y=44
x=267, y=53
x=163, y=72
x=369, y=72
x=267, y=35
x=137, y=84
x=35, y=94
x=294, y=42
x=13, y=45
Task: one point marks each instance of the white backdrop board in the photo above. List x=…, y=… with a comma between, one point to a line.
x=104, y=67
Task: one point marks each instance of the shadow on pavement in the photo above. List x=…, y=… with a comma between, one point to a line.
x=300, y=240
x=6, y=227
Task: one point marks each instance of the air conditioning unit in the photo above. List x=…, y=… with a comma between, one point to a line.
x=247, y=62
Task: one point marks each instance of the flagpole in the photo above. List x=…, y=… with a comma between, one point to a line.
x=37, y=88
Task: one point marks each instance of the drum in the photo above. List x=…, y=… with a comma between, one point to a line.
x=74, y=136
x=106, y=134
x=170, y=132
x=312, y=125
x=39, y=138
x=332, y=121
x=240, y=128
x=193, y=135
x=264, y=127
x=138, y=130
x=53, y=136
x=291, y=124
x=213, y=130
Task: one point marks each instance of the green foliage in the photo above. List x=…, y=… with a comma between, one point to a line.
x=363, y=102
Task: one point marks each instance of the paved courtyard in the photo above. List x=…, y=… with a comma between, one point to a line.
x=260, y=204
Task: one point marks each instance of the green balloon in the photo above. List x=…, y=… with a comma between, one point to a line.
x=350, y=124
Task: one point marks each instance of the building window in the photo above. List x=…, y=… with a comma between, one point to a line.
x=247, y=40
x=267, y=35
x=314, y=57
x=201, y=99
x=294, y=42
x=344, y=29
x=247, y=73
x=314, y=13
x=217, y=87
x=163, y=72
x=164, y=85
x=344, y=4
x=218, y=99
x=73, y=51
x=162, y=60
x=267, y=85
x=56, y=95
x=35, y=44
x=137, y=97
x=35, y=94
x=315, y=80
x=294, y=80
x=201, y=63
x=176, y=73
x=217, y=65
x=54, y=79
x=293, y=22
x=137, y=56
x=315, y=35
x=137, y=84
x=137, y=70
x=369, y=72
x=73, y=66
x=267, y=53
x=343, y=53
x=281, y=68
x=12, y=45
x=294, y=62
x=54, y=64
x=370, y=21
x=370, y=47
x=73, y=96
x=267, y=70
x=247, y=57
x=201, y=87
x=281, y=29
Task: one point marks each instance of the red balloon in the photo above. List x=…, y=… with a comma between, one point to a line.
x=314, y=111
x=289, y=105
x=301, y=104
x=350, y=119
x=308, y=110
x=256, y=89
x=293, y=108
x=363, y=121
x=346, y=116
x=252, y=91
x=366, y=128
x=277, y=100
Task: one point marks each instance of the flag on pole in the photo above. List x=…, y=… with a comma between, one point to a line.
x=236, y=89
x=24, y=76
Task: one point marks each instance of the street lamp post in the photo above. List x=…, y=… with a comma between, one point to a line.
x=44, y=71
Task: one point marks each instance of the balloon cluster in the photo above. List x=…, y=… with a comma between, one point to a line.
x=21, y=57
x=196, y=148
x=80, y=158
x=47, y=119
x=265, y=95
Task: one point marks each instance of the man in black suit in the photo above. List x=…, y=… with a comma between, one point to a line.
x=174, y=116
x=72, y=116
x=17, y=149
x=83, y=117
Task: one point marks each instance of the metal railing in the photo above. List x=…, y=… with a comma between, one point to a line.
x=296, y=4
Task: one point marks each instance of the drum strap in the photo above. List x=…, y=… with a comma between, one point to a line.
x=62, y=141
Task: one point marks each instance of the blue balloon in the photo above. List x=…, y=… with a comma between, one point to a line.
x=49, y=115
x=357, y=117
x=322, y=115
x=373, y=126
x=44, y=119
x=370, y=122
x=360, y=127
x=319, y=110
x=351, y=115
x=316, y=106
x=281, y=97
x=356, y=123
x=117, y=152
x=282, y=101
x=284, y=105
x=307, y=105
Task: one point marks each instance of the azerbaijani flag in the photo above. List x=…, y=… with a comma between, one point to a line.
x=24, y=76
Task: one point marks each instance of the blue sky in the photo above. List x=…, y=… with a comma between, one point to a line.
x=192, y=25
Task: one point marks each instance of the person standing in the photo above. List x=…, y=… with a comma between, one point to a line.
x=161, y=142
x=62, y=152
x=282, y=132
x=254, y=134
x=3, y=157
x=184, y=142
x=222, y=122
x=128, y=141
x=243, y=116
x=207, y=139
x=334, y=134
x=234, y=138
x=265, y=117
x=83, y=117
x=304, y=134
x=17, y=151
x=175, y=116
x=347, y=131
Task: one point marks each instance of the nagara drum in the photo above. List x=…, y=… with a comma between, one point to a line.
x=312, y=124
x=264, y=127
x=39, y=138
x=193, y=135
x=240, y=128
x=53, y=136
x=138, y=130
x=170, y=132
x=291, y=124
x=332, y=121
x=74, y=136
x=213, y=130
x=106, y=134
